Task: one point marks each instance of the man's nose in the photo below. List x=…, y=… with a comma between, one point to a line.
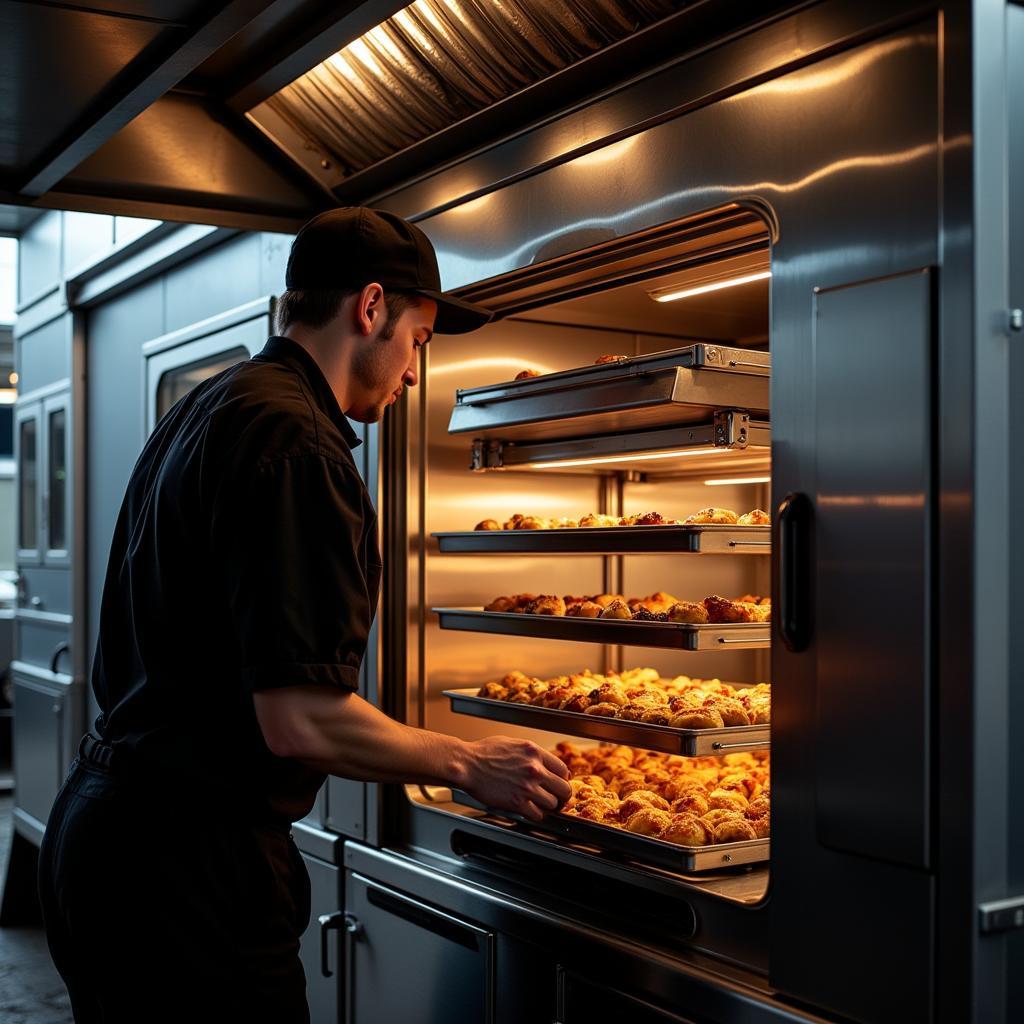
x=410, y=377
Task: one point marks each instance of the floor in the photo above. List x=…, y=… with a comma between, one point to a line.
x=31, y=991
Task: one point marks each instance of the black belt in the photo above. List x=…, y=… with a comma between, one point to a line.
x=97, y=752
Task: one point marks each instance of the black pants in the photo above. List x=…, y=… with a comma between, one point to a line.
x=153, y=915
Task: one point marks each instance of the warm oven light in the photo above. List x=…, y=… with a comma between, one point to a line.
x=597, y=460
x=738, y=480
x=665, y=295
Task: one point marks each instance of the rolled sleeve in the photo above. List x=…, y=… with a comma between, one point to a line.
x=293, y=545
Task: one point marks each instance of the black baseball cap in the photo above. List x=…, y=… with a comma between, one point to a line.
x=351, y=246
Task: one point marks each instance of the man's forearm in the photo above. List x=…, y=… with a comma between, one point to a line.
x=342, y=734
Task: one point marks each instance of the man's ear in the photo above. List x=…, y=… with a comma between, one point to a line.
x=369, y=309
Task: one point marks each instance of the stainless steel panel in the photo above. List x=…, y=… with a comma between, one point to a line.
x=37, y=642
x=323, y=994
x=687, y=742
x=39, y=258
x=87, y=237
x=44, y=355
x=677, y=635
x=38, y=743
x=737, y=540
x=874, y=598
x=45, y=589
x=408, y=961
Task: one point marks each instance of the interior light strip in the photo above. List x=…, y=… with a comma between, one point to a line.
x=602, y=459
x=738, y=480
x=712, y=286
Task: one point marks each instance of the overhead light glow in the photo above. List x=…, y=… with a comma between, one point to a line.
x=8, y=396
x=597, y=460
x=711, y=286
x=738, y=480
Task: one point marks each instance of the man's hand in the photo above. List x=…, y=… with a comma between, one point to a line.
x=515, y=775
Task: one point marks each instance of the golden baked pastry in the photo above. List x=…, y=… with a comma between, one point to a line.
x=606, y=599
x=717, y=815
x=691, y=802
x=597, y=809
x=727, y=799
x=608, y=359
x=648, y=821
x=698, y=718
x=688, y=611
x=734, y=830
x=602, y=710
x=721, y=516
x=501, y=604
x=584, y=609
x=732, y=711
x=526, y=374
x=686, y=830
x=488, y=524
x=546, y=604
x=721, y=609
x=637, y=799
x=755, y=517
x=616, y=610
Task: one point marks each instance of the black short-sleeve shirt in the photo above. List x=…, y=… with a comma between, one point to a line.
x=244, y=558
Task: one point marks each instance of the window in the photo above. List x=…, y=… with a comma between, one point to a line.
x=177, y=383
x=27, y=476
x=57, y=505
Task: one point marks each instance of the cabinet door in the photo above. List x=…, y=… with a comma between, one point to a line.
x=38, y=746
x=407, y=961
x=325, y=898
x=55, y=465
x=27, y=449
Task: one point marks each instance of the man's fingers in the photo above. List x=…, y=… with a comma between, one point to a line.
x=558, y=788
x=531, y=811
x=555, y=765
x=545, y=799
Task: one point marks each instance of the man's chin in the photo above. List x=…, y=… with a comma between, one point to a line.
x=371, y=414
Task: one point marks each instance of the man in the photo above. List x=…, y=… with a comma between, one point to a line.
x=242, y=581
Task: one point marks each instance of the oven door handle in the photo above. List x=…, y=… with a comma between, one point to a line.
x=795, y=521
x=334, y=922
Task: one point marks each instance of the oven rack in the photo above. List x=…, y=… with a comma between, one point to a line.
x=686, y=742
x=614, y=540
x=684, y=636
x=636, y=847
x=669, y=388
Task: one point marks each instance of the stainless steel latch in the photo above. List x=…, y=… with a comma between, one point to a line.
x=1001, y=915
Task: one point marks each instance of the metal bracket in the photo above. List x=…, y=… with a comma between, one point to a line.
x=478, y=456
x=487, y=455
x=1001, y=915
x=1016, y=319
x=732, y=429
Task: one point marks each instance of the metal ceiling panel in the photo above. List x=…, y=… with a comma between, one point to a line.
x=437, y=62
x=41, y=94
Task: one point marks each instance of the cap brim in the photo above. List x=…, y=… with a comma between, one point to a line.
x=456, y=316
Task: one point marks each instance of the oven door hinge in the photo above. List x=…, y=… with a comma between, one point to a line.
x=1001, y=915
x=732, y=429
x=486, y=455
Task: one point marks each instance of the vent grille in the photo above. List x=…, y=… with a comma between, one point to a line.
x=438, y=61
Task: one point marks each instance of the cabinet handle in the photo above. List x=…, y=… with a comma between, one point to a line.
x=795, y=521
x=61, y=648
x=328, y=923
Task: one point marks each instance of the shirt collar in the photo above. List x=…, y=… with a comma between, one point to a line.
x=291, y=353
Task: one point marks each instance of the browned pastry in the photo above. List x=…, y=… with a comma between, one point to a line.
x=488, y=524
x=755, y=517
x=758, y=808
x=735, y=830
x=727, y=799
x=721, y=609
x=754, y=599
x=648, y=821
x=698, y=718
x=526, y=374
x=659, y=601
x=626, y=780
x=657, y=716
x=597, y=809
x=511, y=524
x=532, y=523
x=638, y=799
x=720, y=516
x=606, y=599
x=578, y=702
x=743, y=783
x=599, y=519
x=501, y=604
x=688, y=611
x=762, y=825
x=681, y=785
x=546, y=604
x=608, y=359
x=732, y=711
x=717, y=815
x=686, y=830
x=617, y=610
x=610, y=693
x=602, y=710
x=494, y=691
x=584, y=610
x=653, y=519
x=691, y=802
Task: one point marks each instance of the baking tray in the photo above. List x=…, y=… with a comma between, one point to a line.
x=685, y=636
x=688, y=742
x=611, y=540
x=641, y=848
x=674, y=387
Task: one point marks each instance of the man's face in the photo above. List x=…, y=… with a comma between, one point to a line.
x=387, y=361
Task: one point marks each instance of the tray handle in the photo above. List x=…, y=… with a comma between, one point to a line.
x=795, y=520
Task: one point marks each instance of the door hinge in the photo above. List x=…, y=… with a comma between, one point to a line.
x=1001, y=915
x=732, y=429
